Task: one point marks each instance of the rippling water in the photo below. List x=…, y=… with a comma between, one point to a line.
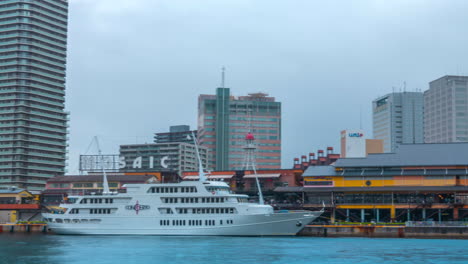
x=39, y=248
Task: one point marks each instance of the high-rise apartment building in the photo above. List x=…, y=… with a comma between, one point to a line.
x=33, y=123
x=446, y=110
x=398, y=118
x=224, y=120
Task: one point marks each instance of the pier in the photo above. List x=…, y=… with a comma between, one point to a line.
x=385, y=231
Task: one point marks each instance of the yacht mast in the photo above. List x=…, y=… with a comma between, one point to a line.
x=105, y=184
x=250, y=161
x=201, y=174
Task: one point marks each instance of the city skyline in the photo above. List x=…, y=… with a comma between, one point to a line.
x=324, y=72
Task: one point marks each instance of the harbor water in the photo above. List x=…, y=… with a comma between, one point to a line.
x=39, y=248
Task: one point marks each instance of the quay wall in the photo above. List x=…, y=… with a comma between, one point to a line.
x=385, y=231
x=23, y=228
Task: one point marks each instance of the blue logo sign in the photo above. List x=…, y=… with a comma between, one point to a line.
x=355, y=135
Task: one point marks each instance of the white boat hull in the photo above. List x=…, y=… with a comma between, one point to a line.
x=276, y=224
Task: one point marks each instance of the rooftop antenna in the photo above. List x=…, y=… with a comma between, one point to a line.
x=105, y=184
x=223, y=69
x=201, y=173
x=404, y=86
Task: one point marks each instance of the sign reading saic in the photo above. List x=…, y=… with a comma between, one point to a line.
x=115, y=163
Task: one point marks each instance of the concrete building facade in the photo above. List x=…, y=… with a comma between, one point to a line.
x=398, y=119
x=223, y=121
x=446, y=110
x=33, y=126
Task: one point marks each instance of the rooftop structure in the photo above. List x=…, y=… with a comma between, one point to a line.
x=316, y=160
x=176, y=134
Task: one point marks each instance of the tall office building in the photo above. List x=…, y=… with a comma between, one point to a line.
x=33, y=123
x=398, y=118
x=224, y=120
x=446, y=110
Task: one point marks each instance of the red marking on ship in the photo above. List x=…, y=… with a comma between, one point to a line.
x=137, y=207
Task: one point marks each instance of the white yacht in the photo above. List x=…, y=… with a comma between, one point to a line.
x=185, y=208
x=198, y=208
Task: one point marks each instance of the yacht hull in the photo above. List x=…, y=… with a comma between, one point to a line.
x=275, y=224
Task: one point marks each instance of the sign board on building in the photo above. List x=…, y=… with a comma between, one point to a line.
x=93, y=163
x=354, y=143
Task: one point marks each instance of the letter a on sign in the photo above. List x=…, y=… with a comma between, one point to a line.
x=137, y=163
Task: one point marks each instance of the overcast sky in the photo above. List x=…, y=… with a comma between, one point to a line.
x=136, y=67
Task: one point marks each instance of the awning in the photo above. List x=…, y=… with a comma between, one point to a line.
x=213, y=177
x=260, y=176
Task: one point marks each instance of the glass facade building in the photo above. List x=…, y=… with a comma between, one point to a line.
x=398, y=118
x=224, y=121
x=33, y=123
x=446, y=110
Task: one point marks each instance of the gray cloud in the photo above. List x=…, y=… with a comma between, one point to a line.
x=136, y=67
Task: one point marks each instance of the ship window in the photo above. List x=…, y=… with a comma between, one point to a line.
x=217, y=210
x=175, y=189
x=220, y=222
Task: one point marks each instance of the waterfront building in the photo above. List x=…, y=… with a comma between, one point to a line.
x=418, y=182
x=180, y=133
x=173, y=156
x=446, y=110
x=223, y=121
x=18, y=204
x=398, y=119
x=33, y=127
